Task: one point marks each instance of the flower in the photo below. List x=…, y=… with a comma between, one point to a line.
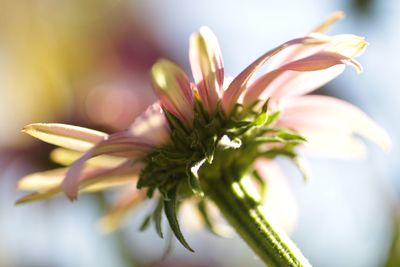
x=213, y=130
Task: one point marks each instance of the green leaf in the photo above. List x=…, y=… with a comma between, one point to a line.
x=170, y=209
x=157, y=217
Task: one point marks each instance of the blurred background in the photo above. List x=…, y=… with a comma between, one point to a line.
x=86, y=62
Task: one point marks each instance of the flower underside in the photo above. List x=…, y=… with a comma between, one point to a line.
x=200, y=141
x=216, y=144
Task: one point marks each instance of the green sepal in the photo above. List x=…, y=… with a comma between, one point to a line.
x=265, y=106
x=168, y=244
x=269, y=139
x=261, y=182
x=273, y=153
x=146, y=222
x=193, y=177
x=291, y=136
x=260, y=119
x=210, y=147
x=157, y=217
x=225, y=142
x=272, y=118
x=302, y=168
x=174, y=122
x=170, y=208
x=210, y=225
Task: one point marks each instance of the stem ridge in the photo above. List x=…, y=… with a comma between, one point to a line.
x=245, y=214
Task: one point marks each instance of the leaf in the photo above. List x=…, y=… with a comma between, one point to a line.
x=67, y=136
x=170, y=209
x=157, y=217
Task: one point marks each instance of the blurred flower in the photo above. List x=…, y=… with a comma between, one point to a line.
x=197, y=133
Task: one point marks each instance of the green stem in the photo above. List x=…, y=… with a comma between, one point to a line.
x=240, y=209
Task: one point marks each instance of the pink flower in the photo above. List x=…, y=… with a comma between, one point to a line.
x=113, y=155
x=196, y=119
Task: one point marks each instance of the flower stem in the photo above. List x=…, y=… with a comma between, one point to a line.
x=245, y=214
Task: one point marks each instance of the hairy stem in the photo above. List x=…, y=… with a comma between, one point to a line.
x=245, y=214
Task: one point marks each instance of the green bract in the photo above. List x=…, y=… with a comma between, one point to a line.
x=216, y=144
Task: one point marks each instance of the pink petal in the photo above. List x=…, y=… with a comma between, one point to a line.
x=207, y=67
x=174, y=90
x=151, y=126
x=48, y=183
x=313, y=114
x=239, y=83
x=332, y=143
x=119, y=144
x=297, y=52
x=64, y=135
x=318, y=66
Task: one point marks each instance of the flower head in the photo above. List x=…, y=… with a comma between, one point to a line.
x=202, y=131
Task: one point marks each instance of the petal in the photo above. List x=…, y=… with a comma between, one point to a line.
x=67, y=136
x=313, y=65
x=239, y=83
x=127, y=200
x=296, y=52
x=48, y=183
x=207, y=67
x=173, y=88
x=315, y=113
x=333, y=144
x=151, y=126
x=120, y=144
x=42, y=180
x=329, y=21
x=348, y=45
x=66, y=157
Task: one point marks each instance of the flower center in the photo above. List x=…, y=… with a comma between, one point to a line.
x=215, y=144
